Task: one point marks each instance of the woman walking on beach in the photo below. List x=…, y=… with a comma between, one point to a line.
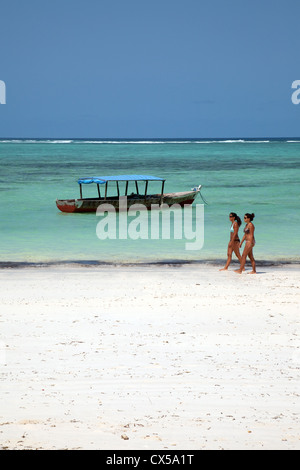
x=234, y=243
x=250, y=242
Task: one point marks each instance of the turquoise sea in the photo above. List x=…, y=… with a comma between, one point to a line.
x=239, y=175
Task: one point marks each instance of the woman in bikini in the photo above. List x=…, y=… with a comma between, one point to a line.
x=234, y=243
x=250, y=242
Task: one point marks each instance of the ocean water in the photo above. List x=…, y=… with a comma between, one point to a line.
x=240, y=175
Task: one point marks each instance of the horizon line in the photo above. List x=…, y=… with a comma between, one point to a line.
x=150, y=138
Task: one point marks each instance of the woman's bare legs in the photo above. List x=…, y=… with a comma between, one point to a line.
x=253, y=264
x=229, y=258
x=235, y=249
x=248, y=251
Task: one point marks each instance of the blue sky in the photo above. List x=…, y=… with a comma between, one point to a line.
x=149, y=68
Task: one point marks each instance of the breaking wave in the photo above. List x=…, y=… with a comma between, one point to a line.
x=147, y=141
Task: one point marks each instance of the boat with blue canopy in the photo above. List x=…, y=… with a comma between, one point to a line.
x=139, y=195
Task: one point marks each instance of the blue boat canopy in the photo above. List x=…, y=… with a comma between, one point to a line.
x=105, y=179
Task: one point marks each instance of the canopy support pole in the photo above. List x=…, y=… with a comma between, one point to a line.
x=99, y=191
x=146, y=187
x=80, y=187
x=162, y=193
x=126, y=190
x=118, y=188
x=106, y=189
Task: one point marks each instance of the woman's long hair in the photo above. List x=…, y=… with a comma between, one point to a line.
x=236, y=217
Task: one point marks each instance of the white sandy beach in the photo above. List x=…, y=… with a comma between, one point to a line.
x=149, y=357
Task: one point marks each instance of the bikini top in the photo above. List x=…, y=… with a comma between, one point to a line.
x=247, y=230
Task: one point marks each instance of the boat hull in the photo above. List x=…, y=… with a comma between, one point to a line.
x=124, y=203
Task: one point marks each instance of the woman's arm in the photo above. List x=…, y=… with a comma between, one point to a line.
x=251, y=234
x=243, y=239
x=234, y=234
x=236, y=229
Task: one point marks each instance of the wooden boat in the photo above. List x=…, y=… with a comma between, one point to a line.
x=124, y=202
